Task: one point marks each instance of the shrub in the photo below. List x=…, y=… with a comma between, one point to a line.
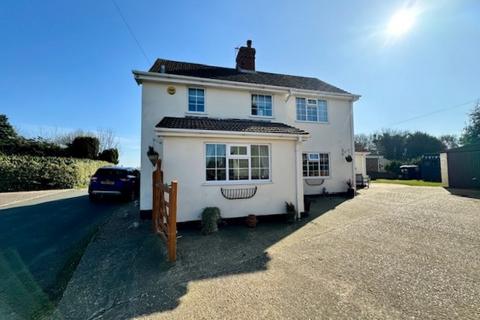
x=109, y=155
x=210, y=218
x=394, y=167
x=25, y=173
x=84, y=147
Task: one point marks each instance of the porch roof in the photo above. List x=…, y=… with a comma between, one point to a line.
x=234, y=125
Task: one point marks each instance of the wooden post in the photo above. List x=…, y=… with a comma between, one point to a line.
x=172, y=223
x=156, y=196
x=154, y=199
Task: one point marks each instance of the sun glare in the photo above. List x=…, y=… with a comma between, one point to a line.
x=401, y=22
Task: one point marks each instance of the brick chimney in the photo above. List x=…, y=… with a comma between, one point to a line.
x=246, y=58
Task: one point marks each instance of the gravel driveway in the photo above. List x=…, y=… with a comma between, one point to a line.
x=393, y=252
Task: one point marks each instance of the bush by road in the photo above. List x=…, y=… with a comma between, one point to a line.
x=24, y=173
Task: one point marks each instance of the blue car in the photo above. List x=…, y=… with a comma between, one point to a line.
x=114, y=181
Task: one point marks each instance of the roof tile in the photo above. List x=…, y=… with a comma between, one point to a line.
x=230, y=74
x=235, y=125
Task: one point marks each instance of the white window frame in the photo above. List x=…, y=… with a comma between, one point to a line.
x=317, y=105
x=231, y=156
x=262, y=94
x=227, y=181
x=319, y=170
x=204, y=112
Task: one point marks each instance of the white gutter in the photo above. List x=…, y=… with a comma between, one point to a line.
x=166, y=132
x=141, y=76
x=352, y=146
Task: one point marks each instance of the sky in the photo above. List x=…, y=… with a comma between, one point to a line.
x=66, y=65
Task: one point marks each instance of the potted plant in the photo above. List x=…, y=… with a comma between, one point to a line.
x=210, y=219
x=350, y=190
x=252, y=221
x=306, y=203
x=291, y=212
x=152, y=155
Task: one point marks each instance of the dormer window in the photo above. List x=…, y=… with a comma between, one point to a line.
x=196, y=100
x=261, y=105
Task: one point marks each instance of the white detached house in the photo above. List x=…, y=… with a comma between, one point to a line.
x=243, y=140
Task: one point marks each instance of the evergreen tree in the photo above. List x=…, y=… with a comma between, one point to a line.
x=471, y=133
x=8, y=134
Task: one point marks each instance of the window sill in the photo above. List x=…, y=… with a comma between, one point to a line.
x=236, y=183
x=316, y=122
x=261, y=117
x=318, y=177
x=193, y=113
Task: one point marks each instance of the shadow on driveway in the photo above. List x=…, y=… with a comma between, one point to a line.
x=124, y=273
x=468, y=193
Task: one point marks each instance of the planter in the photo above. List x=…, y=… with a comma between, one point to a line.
x=350, y=193
x=306, y=204
x=252, y=221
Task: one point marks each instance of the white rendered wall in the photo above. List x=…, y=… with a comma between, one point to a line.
x=184, y=161
x=444, y=168
x=334, y=137
x=360, y=163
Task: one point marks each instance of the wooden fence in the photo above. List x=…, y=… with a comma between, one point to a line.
x=164, y=211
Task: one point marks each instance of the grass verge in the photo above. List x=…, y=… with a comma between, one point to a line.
x=415, y=183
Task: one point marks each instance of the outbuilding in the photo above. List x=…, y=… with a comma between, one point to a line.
x=460, y=167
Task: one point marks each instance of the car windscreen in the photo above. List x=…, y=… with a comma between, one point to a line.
x=111, y=173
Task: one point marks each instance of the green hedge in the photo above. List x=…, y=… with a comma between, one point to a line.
x=24, y=173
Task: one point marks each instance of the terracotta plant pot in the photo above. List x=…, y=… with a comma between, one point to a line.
x=252, y=221
x=350, y=193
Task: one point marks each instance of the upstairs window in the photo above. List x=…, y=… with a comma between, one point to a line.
x=196, y=100
x=316, y=165
x=313, y=110
x=261, y=105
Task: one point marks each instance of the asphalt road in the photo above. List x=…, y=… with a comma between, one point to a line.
x=39, y=237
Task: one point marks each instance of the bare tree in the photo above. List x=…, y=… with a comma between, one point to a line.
x=66, y=138
x=107, y=139
x=450, y=141
x=364, y=142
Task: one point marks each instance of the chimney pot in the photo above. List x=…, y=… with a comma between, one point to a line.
x=249, y=43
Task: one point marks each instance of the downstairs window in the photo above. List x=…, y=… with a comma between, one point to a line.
x=316, y=164
x=237, y=162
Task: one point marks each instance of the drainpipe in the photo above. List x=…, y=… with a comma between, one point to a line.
x=352, y=143
x=299, y=177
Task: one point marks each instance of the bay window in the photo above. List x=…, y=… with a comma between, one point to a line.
x=237, y=162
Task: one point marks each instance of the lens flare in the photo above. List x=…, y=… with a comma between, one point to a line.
x=401, y=22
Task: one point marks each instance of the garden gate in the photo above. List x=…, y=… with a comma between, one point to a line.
x=164, y=210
